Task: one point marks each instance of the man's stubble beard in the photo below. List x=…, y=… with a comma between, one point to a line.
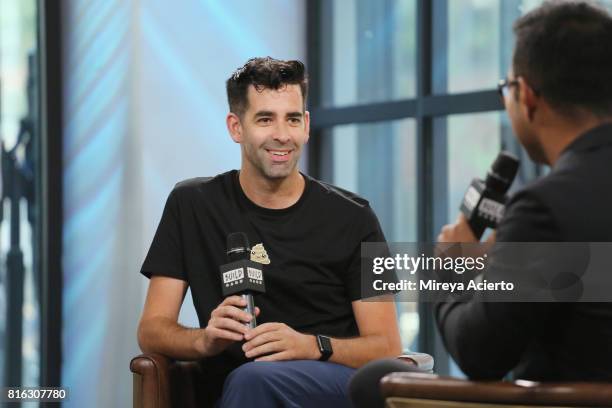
x=533, y=146
x=258, y=163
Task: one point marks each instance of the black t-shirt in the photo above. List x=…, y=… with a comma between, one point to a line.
x=313, y=247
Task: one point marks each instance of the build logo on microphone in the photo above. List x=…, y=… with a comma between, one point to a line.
x=255, y=276
x=233, y=277
x=236, y=276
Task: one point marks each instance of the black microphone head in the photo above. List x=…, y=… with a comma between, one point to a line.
x=502, y=172
x=238, y=246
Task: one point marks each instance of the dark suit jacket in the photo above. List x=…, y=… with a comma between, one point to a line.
x=545, y=341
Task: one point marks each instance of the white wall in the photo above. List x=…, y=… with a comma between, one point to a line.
x=144, y=108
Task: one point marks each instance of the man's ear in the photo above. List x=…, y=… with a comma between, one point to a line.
x=528, y=98
x=234, y=127
x=307, y=125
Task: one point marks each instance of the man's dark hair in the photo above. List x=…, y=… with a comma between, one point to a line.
x=264, y=73
x=564, y=52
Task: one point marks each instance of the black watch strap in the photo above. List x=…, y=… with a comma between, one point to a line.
x=325, y=347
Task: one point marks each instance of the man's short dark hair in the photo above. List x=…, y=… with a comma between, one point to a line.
x=564, y=51
x=264, y=73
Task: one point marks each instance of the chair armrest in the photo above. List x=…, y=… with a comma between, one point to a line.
x=433, y=387
x=364, y=386
x=151, y=380
x=421, y=361
x=161, y=382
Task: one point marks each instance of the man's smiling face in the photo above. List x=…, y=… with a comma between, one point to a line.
x=274, y=129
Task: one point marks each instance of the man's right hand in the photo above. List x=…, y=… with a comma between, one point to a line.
x=226, y=325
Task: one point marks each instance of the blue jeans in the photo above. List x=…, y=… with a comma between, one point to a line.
x=299, y=383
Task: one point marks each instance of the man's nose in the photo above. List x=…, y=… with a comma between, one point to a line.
x=281, y=133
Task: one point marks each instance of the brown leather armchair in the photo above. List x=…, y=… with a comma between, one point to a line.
x=417, y=390
x=159, y=382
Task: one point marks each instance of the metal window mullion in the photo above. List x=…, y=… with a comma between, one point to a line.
x=424, y=129
x=50, y=63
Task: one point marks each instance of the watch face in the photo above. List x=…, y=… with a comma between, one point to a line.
x=325, y=347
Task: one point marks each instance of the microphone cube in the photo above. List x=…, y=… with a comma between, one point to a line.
x=242, y=276
x=482, y=207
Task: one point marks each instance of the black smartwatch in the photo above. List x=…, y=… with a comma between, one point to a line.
x=325, y=347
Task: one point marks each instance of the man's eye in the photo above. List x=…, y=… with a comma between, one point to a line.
x=264, y=120
x=295, y=121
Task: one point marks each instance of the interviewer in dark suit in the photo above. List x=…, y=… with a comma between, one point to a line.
x=558, y=95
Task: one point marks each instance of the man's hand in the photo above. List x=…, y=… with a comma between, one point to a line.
x=226, y=325
x=460, y=231
x=277, y=341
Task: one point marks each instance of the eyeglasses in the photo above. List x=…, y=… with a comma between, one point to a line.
x=503, y=87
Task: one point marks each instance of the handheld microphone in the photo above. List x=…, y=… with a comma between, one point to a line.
x=241, y=275
x=484, y=202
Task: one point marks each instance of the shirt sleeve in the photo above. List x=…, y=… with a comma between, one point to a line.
x=359, y=281
x=487, y=339
x=165, y=256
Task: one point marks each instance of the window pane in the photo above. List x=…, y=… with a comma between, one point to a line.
x=19, y=216
x=473, y=143
x=473, y=42
x=368, y=51
x=378, y=162
x=464, y=148
x=467, y=46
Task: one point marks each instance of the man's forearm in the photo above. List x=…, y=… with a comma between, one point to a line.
x=167, y=337
x=358, y=351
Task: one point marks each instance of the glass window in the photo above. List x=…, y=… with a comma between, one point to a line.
x=378, y=162
x=473, y=142
x=474, y=48
x=473, y=45
x=464, y=148
x=371, y=51
x=367, y=55
x=20, y=280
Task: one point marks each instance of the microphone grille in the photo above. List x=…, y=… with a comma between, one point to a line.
x=502, y=172
x=237, y=244
x=506, y=165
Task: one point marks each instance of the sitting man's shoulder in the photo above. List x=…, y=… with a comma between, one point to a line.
x=201, y=183
x=341, y=197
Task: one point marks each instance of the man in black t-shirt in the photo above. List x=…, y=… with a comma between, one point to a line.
x=306, y=234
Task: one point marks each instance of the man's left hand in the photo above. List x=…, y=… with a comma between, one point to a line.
x=460, y=231
x=277, y=341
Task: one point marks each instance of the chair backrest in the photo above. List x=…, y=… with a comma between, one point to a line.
x=417, y=390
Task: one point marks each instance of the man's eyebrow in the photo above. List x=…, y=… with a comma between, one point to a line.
x=264, y=113
x=295, y=114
